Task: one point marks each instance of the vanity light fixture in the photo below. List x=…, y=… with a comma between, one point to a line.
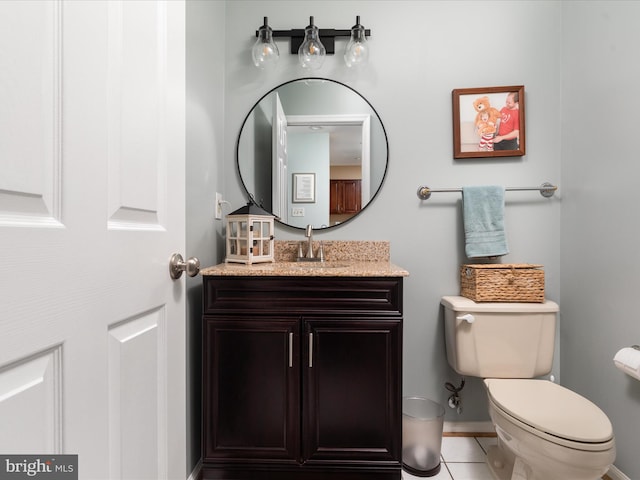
x=357, y=52
x=312, y=44
x=265, y=52
x=312, y=52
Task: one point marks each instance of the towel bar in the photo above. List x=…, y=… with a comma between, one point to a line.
x=546, y=190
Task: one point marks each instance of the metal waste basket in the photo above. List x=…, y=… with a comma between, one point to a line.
x=422, y=422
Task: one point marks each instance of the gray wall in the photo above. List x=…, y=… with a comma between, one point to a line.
x=600, y=219
x=575, y=60
x=309, y=153
x=409, y=82
x=205, y=173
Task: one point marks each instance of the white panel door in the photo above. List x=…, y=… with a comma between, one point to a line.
x=92, y=328
x=280, y=178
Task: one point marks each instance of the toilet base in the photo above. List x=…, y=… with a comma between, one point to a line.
x=504, y=465
x=500, y=465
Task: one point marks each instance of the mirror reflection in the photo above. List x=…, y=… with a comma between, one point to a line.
x=312, y=152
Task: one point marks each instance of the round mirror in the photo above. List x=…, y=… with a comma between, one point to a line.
x=312, y=151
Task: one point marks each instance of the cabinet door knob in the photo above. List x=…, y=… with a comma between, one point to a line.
x=177, y=265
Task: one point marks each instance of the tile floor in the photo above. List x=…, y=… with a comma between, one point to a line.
x=462, y=459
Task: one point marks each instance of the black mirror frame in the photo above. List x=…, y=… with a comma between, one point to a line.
x=386, y=139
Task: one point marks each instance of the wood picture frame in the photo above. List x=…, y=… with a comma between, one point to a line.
x=304, y=188
x=479, y=115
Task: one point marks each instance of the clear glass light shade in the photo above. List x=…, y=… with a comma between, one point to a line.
x=357, y=52
x=311, y=53
x=265, y=52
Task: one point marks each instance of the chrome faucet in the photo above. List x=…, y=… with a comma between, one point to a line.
x=309, y=256
x=309, y=234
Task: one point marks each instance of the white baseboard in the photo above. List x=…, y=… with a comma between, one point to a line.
x=468, y=427
x=196, y=471
x=615, y=474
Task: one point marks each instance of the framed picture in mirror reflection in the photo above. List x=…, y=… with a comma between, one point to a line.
x=304, y=188
x=488, y=122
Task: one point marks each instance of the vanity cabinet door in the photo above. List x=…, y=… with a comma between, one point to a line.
x=352, y=389
x=251, y=389
x=345, y=196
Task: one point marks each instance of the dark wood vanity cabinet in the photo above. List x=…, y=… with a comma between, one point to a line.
x=302, y=378
x=251, y=394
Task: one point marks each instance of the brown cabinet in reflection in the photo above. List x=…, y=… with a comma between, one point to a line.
x=345, y=196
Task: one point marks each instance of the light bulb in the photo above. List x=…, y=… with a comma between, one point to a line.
x=265, y=52
x=357, y=52
x=311, y=53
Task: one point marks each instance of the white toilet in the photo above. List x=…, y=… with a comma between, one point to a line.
x=545, y=431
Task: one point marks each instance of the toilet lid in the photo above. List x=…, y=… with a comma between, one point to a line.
x=551, y=408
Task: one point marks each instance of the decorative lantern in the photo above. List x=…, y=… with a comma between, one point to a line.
x=250, y=236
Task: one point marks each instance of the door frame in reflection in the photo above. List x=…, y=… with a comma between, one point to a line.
x=362, y=120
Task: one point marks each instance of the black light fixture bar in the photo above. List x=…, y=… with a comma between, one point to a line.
x=327, y=36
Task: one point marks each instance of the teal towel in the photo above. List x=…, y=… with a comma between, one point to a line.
x=483, y=211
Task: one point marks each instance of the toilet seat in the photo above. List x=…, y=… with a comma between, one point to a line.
x=552, y=412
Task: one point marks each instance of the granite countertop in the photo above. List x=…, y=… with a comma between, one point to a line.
x=343, y=259
x=308, y=269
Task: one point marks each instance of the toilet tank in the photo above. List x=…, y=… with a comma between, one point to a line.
x=499, y=340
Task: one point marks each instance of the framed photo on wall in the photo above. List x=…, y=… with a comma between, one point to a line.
x=488, y=122
x=304, y=188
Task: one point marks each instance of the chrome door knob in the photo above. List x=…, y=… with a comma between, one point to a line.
x=177, y=265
